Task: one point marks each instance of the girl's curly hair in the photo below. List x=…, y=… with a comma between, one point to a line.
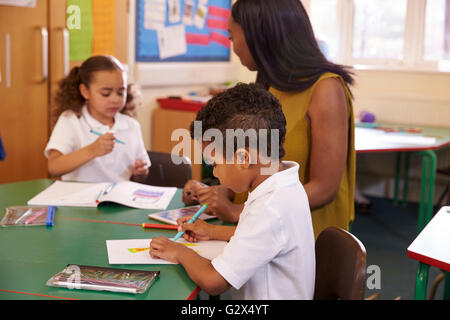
x=68, y=96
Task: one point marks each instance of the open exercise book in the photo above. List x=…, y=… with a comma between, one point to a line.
x=83, y=194
x=136, y=251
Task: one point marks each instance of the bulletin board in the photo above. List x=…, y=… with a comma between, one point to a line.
x=182, y=30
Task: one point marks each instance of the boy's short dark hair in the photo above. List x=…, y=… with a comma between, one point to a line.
x=245, y=106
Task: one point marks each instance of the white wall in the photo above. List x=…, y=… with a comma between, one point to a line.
x=404, y=97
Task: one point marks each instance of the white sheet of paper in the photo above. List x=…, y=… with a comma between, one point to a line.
x=172, y=41
x=372, y=138
x=118, y=250
x=74, y=194
x=174, y=11
x=200, y=16
x=154, y=14
x=187, y=16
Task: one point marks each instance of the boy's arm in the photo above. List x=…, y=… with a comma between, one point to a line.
x=202, y=272
x=199, y=269
x=223, y=233
x=201, y=230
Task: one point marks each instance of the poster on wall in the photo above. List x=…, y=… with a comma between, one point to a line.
x=92, y=28
x=182, y=30
x=19, y=3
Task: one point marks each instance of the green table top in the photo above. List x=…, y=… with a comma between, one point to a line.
x=29, y=256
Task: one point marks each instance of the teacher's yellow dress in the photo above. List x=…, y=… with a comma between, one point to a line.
x=340, y=212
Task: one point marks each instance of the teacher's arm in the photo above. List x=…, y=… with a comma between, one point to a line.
x=328, y=116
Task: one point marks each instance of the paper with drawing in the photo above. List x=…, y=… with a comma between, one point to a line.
x=136, y=251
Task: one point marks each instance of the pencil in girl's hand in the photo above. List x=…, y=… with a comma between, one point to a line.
x=192, y=220
x=100, y=134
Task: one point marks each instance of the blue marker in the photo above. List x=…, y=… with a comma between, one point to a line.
x=110, y=187
x=100, y=134
x=192, y=220
x=50, y=216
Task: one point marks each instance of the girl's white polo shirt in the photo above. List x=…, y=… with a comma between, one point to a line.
x=72, y=133
x=271, y=254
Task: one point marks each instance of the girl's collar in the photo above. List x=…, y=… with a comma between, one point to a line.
x=119, y=121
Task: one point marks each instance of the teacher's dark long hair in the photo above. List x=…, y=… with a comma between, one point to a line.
x=281, y=40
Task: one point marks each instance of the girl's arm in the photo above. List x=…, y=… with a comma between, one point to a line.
x=328, y=115
x=60, y=164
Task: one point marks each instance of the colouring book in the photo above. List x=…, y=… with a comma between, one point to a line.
x=171, y=216
x=136, y=251
x=83, y=194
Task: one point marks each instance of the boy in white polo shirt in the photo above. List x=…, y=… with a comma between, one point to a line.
x=270, y=254
x=96, y=139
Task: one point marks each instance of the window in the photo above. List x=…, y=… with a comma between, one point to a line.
x=326, y=30
x=437, y=30
x=410, y=34
x=378, y=29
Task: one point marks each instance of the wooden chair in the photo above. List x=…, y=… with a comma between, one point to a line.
x=165, y=173
x=340, y=266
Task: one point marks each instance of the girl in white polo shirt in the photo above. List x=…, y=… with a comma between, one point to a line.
x=96, y=138
x=270, y=253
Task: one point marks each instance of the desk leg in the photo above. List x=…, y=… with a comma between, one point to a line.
x=398, y=160
x=427, y=189
x=421, y=281
x=425, y=213
x=405, y=179
x=447, y=286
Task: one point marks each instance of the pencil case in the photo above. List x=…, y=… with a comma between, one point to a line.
x=103, y=279
x=29, y=216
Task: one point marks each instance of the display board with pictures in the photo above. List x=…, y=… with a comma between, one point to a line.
x=182, y=30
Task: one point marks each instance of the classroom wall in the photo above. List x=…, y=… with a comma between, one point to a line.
x=406, y=97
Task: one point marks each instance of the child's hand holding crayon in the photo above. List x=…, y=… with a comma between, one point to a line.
x=103, y=145
x=197, y=231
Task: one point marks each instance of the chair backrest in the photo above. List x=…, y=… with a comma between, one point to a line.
x=340, y=266
x=165, y=173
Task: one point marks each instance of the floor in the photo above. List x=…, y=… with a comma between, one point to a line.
x=386, y=233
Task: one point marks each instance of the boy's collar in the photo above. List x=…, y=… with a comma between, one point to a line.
x=119, y=121
x=279, y=179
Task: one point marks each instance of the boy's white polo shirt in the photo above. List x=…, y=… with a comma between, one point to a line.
x=72, y=133
x=271, y=254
